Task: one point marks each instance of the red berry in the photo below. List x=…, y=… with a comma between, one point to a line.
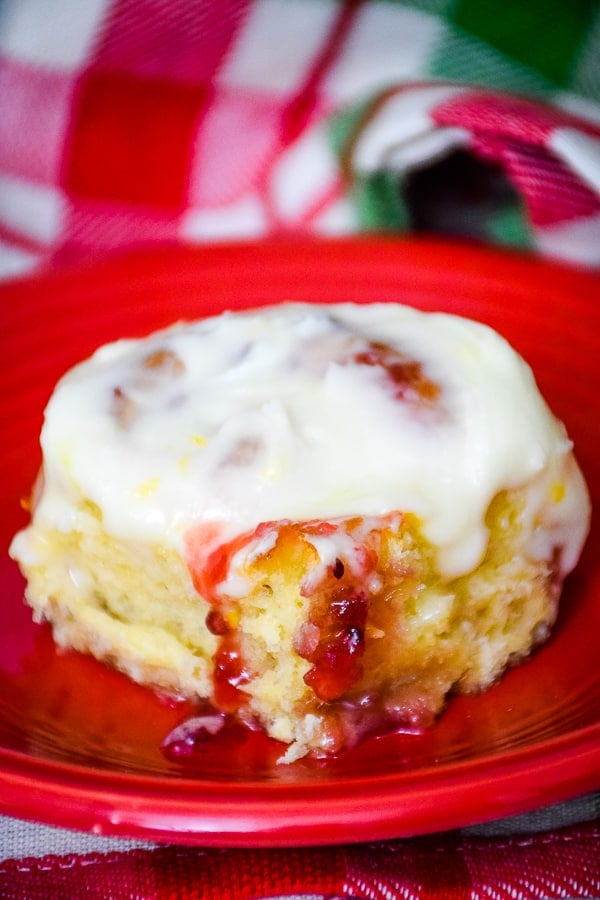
x=337, y=664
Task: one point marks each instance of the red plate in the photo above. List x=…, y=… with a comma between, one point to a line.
x=79, y=744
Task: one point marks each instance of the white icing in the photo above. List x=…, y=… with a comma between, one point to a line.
x=271, y=419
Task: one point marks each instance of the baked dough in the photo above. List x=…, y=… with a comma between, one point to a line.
x=322, y=518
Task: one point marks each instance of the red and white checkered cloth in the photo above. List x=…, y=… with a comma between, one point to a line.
x=128, y=121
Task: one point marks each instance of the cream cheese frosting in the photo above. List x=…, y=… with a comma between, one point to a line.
x=305, y=412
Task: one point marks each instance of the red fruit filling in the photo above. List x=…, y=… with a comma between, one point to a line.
x=332, y=636
x=229, y=674
x=334, y=642
x=407, y=375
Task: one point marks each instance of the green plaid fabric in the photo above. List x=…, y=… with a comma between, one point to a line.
x=238, y=106
x=538, y=47
x=544, y=49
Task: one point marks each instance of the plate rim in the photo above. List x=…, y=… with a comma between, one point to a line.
x=193, y=812
x=106, y=786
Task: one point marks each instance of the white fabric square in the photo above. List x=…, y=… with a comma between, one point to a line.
x=244, y=218
x=397, y=135
x=277, y=44
x=14, y=263
x=64, y=40
x=581, y=152
x=340, y=218
x=575, y=241
x=579, y=106
x=32, y=210
x=303, y=173
x=388, y=44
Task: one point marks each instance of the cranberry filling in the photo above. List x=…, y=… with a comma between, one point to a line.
x=216, y=623
x=331, y=638
x=229, y=673
x=338, y=569
x=405, y=374
x=335, y=643
x=183, y=740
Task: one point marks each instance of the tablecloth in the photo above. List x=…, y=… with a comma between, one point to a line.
x=454, y=866
x=128, y=122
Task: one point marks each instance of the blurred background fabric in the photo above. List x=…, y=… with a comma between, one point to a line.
x=125, y=122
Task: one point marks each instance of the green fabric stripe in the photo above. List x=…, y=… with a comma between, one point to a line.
x=586, y=75
x=544, y=35
x=379, y=203
x=436, y=7
x=343, y=125
x=459, y=57
x=510, y=227
x=525, y=46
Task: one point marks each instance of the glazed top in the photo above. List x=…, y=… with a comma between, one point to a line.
x=303, y=412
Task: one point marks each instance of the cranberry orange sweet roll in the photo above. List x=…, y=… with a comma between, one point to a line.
x=320, y=518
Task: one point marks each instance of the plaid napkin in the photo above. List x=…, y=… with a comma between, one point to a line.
x=128, y=121
x=124, y=122
x=563, y=863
